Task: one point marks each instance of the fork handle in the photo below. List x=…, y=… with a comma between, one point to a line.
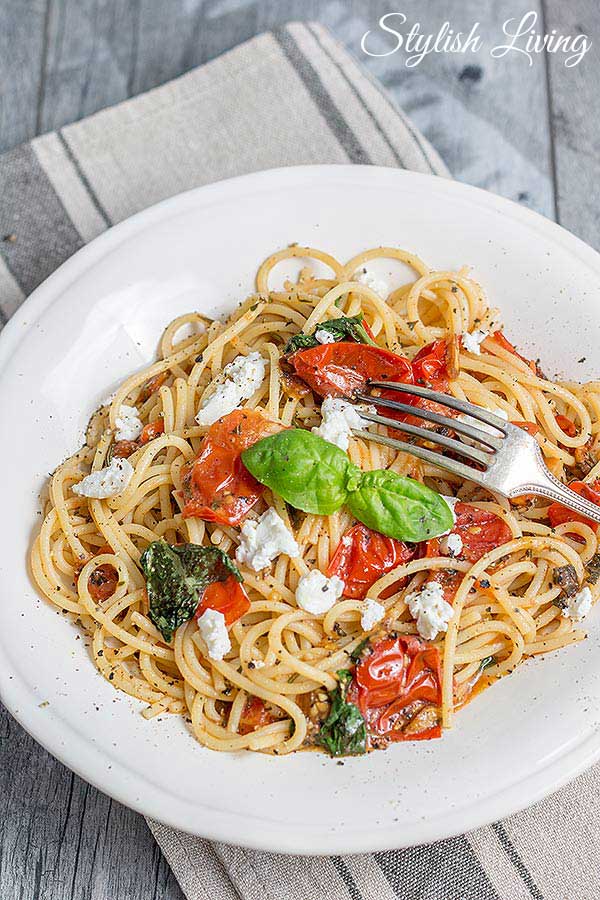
x=550, y=487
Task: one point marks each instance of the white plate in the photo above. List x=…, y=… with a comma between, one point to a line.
x=97, y=319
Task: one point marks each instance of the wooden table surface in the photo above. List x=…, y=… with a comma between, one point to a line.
x=528, y=132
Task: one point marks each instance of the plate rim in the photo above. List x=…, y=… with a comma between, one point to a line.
x=51, y=730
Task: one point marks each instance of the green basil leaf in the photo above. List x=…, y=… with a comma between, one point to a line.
x=399, y=507
x=176, y=578
x=308, y=472
x=341, y=329
x=343, y=733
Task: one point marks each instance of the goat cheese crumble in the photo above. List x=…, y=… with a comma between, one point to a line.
x=129, y=424
x=451, y=545
x=243, y=377
x=261, y=540
x=471, y=340
x=317, y=594
x=324, y=337
x=213, y=630
x=372, y=612
x=578, y=606
x=338, y=419
x=363, y=276
x=431, y=612
x=106, y=482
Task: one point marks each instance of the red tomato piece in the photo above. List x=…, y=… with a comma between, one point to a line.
x=530, y=427
x=430, y=366
x=217, y=486
x=479, y=529
x=342, y=368
x=503, y=342
x=566, y=425
x=153, y=385
x=363, y=556
x=227, y=597
x=124, y=449
x=558, y=514
x=254, y=715
x=152, y=430
x=102, y=583
x=401, y=671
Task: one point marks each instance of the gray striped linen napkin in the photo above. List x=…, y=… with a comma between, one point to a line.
x=63, y=189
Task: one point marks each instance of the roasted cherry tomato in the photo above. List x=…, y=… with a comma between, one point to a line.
x=430, y=366
x=558, y=514
x=103, y=581
x=153, y=385
x=342, y=368
x=479, y=529
x=430, y=369
x=363, y=556
x=227, y=597
x=216, y=485
x=566, y=425
x=152, y=430
x=396, y=683
x=254, y=715
x=530, y=427
x=503, y=342
x=124, y=449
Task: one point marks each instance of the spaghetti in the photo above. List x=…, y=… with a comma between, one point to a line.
x=289, y=672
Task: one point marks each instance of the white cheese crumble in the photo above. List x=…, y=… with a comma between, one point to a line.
x=431, y=612
x=316, y=593
x=372, y=612
x=324, y=337
x=482, y=426
x=363, y=276
x=471, y=340
x=578, y=606
x=451, y=545
x=261, y=540
x=338, y=419
x=213, y=630
x=243, y=377
x=129, y=424
x=107, y=482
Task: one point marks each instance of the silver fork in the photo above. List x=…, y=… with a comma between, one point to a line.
x=512, y=459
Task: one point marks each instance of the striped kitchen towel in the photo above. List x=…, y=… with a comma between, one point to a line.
x=284, y=98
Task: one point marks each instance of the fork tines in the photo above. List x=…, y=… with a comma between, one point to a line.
x=489, y=440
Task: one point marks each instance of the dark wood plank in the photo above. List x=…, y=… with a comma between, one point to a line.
x=575, y=117
x=61, y=839
x=22, y=41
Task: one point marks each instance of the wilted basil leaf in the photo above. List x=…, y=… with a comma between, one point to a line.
x=344, y=732
x=176, y=578
x=342, y=329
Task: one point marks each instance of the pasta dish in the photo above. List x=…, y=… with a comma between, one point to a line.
x=238, y=554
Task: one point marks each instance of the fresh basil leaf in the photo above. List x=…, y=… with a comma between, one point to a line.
x=399, y=507
x=342, y=329
x=343, y=733
x=306, y=471
x=176, y=578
